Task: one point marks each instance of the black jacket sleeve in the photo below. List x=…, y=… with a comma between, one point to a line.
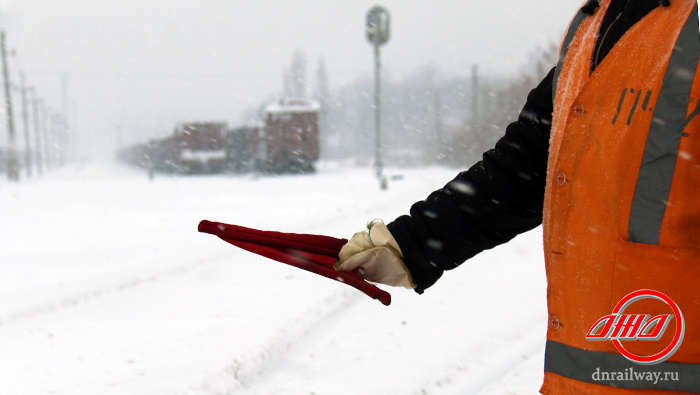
x=495, y=200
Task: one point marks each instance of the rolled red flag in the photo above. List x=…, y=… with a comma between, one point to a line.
x=313, y=253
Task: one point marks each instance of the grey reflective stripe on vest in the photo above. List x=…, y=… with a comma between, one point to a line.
x=573, y=28
x=661, y=149
x=603, y=368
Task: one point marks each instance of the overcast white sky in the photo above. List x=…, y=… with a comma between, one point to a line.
x=143, y=65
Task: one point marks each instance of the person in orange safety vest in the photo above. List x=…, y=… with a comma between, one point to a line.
x=606, y=156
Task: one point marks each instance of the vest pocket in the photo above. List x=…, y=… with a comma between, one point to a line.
x=672, y=271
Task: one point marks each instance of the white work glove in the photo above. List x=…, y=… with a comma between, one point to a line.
x=375, y=255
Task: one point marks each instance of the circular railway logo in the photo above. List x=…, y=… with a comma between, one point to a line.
x=619, y=326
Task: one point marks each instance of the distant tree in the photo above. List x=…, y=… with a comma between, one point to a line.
x=501, y=100
x=409, y=120
x=323, y=95
x=427, y=117
x=295, y=76
x=351, y=118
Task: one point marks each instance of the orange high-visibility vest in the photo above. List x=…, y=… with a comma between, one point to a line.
x=622, y=202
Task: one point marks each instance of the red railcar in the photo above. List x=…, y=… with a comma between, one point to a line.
x=289, y=142
x=240, y=149
x=202, y=147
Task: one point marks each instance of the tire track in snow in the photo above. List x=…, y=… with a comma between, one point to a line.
x=485, y=374
x=84, y=297
x=302, y=333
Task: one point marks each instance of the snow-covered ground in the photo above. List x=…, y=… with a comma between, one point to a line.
x=107, y=288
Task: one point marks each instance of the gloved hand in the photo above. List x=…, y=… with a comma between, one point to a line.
x=376, y=256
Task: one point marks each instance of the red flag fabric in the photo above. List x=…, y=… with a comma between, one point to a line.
x=313, y=253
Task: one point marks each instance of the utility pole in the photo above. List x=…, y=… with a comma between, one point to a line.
x=439, y=143
x=47, y=135
x=74, y=130
x=377, y=117
x=12, y=164
x=475, y=97
x=37, y=130
x=64, y=116
x=63, y=129
x=25, y=125
x=54, y=139
x=59, y=135
x=377, y=30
